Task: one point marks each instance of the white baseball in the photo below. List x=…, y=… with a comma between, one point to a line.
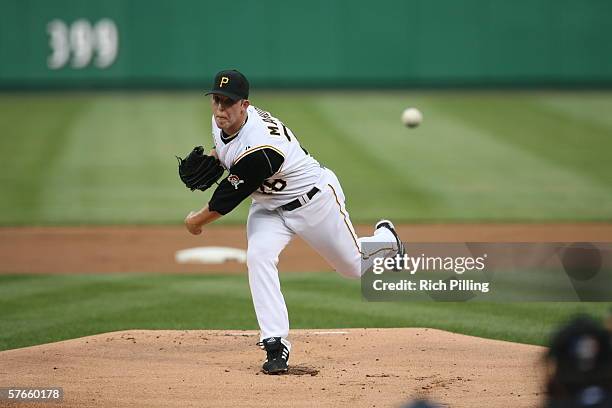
x=412, y=117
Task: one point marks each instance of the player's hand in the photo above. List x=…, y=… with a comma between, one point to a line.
x=192, y=224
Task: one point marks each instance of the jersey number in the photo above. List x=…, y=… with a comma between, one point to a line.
x=273, y=187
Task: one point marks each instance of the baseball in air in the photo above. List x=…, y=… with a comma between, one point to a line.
x=412, y=117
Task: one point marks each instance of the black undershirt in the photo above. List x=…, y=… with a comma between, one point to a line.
x=244, y=178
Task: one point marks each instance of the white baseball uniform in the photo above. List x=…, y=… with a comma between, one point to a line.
x=275, y=216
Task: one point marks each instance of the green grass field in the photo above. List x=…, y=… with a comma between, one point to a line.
x=479, y=156
x=108, y=158
x=41, y=309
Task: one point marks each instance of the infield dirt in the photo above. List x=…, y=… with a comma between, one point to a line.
x=151, y=249
x=352, y=367
x=342, y=368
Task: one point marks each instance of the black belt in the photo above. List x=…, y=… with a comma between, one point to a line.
x=290, y=206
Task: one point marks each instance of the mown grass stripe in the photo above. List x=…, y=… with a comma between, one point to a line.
x=101, y=303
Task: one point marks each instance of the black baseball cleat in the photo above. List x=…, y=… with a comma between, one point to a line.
x=277, y=350
x=389, y=225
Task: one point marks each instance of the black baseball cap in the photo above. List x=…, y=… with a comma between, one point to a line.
x=230, y=83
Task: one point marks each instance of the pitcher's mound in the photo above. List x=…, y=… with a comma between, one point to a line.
x=351, y=367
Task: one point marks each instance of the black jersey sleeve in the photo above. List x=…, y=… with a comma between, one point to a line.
x=246, y=176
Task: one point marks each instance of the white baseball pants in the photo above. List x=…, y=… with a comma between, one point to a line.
x=324, y=224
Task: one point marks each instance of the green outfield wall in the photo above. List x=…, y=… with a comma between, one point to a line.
x=316, y=43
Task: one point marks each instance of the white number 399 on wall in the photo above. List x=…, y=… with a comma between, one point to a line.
x=80, y=42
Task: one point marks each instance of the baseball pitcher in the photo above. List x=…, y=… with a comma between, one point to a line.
x=291, y=194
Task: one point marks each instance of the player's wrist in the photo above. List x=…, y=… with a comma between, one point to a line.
x=201, y=217
x=192, y=224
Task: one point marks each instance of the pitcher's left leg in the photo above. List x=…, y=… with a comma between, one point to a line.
x=267, y=237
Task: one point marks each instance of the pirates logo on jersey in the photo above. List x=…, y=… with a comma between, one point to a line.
x=234, y=180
